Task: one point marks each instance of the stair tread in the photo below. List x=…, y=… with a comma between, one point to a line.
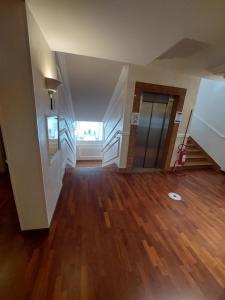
x=199, y=163
x=196, y=156
x=193, y=150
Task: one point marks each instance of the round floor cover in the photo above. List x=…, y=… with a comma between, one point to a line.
x=175, y=196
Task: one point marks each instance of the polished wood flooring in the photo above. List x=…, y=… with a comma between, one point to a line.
x=118, y=237
x=88, y=163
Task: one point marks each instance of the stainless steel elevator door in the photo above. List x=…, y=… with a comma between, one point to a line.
x=155, y=111
x=143, y=130
x=155, y=132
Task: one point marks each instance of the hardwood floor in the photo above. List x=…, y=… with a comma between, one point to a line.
x=118, y=237
x=88, y=163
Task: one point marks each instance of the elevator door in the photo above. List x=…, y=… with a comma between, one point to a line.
x=155, y=111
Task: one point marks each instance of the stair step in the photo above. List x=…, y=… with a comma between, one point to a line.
x=196, y=156
x=198, y=163
x=193, y=150
x=190, y=142
x=190, y=146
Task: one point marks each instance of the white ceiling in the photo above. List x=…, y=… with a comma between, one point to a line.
x=187, y=35
x=92, y=82
x=206, y=62
x=126, y=30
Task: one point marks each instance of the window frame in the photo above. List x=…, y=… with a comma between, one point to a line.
x=100, y=132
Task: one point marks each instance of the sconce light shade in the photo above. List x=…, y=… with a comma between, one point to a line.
x=52, y=84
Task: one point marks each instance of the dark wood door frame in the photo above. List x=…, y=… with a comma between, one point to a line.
x=179, y=96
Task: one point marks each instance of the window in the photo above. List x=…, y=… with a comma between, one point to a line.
x=89, y=131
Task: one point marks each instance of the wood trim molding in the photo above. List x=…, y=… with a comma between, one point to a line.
x=179, y=96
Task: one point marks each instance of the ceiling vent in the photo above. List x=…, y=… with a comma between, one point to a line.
x=183, y=49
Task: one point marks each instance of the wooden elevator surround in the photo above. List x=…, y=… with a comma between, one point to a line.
x=179, y=96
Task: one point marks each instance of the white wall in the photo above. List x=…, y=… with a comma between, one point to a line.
x=24, y=103
x=18, y=118
x=208, y=123
x=89, y=150
x=157, y=75
x=113, y=122
x=43, y=63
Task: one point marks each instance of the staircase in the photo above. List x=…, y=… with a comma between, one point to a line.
x=197, y=158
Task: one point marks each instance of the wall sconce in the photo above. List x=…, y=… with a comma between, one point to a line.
x=52, y=85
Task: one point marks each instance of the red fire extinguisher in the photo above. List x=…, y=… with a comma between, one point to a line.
x=182, y=151
x=182, y=157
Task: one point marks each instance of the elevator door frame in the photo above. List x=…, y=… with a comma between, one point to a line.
x=179, y=95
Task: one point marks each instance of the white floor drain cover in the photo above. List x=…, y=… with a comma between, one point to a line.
x=175, y=196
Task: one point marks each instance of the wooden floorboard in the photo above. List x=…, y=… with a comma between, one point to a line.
x=118, y=237
x=88, y=163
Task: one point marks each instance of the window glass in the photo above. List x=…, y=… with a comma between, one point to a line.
x=89, y=131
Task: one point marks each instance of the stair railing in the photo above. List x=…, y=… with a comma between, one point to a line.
x=118, y=132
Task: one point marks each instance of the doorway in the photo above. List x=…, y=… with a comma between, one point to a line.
x=155, y=113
